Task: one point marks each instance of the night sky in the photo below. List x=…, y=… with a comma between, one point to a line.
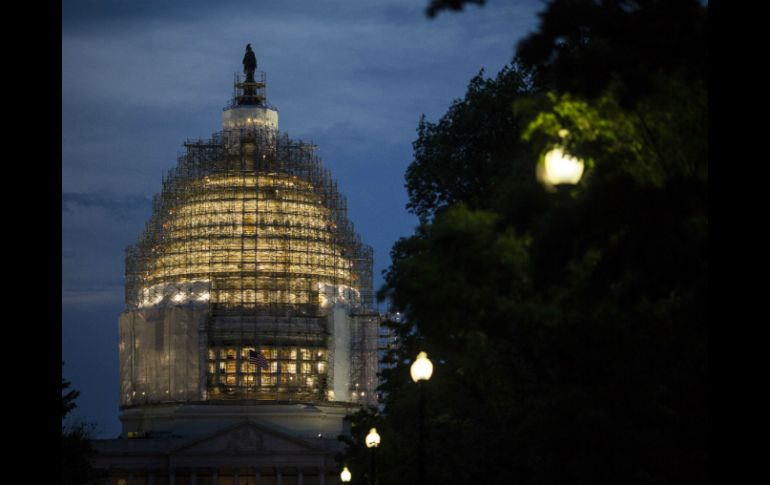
x=140, y=77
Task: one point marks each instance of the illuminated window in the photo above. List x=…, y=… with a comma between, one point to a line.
x=292, y=367
x=249, y=224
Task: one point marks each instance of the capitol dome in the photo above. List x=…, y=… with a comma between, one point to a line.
x=249, y=281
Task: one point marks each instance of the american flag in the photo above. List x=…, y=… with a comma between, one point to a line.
x=256, y=357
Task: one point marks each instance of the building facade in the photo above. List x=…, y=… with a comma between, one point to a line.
x=249, y=330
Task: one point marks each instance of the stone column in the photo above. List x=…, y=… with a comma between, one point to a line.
x=321, y=476
x=171, y=477
x=278, y=477
x=215, y=477
x=257, y=477
x=130, y=480
x=299, y=477
x=235, y=477
x=150, y=477
x=193, y=478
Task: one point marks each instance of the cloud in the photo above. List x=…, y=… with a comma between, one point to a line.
x=93, y=296
x=122, y=206
x=96, y=228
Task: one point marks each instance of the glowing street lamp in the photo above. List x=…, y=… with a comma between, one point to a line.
x=372, y=439
x=372, y=442
x=422, y=368
x=345, y=476
x=560, y=168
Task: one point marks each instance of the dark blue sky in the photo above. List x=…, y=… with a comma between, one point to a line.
x=140, y=77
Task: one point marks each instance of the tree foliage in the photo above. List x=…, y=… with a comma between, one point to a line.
x=67, y=398
x=568, y=330
x=473, y=149
x=76, y=446
x=582, y=46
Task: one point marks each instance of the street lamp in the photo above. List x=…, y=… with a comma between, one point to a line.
x=345, y=476
x=559, y=168
x=372, y=439
x=372, y=442
x=421, y=370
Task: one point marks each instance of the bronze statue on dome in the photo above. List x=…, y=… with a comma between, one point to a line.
x=249, y=64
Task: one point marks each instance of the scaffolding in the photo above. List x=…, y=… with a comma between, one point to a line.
x=248, y=93
x=250, y=236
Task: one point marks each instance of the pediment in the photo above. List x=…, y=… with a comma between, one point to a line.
x=248, y=437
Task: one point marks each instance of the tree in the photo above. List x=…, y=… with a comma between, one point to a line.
x=582, y=46
x=76, y=447
x=568, y=330
x=472, y=150
x=68, y=399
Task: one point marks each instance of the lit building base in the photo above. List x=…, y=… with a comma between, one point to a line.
x=228, y=444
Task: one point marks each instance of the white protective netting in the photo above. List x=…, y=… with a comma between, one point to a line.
x=364, y=331
x=161, y=354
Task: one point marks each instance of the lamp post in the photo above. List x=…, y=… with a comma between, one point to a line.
x=561, y=168
x=558, y=168
x=421, y=370
x=345, y=476
x=372, y=442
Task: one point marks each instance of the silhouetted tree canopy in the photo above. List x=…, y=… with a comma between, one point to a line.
x=568, y=330
x=473, y=149
x=583, y=45
x=68, y=398
x=76, y=447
